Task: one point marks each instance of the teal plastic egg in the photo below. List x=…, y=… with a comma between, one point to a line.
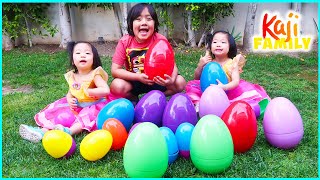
x=145, y=153
x=211, y=146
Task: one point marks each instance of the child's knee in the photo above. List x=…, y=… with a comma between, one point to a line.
x=119, y=86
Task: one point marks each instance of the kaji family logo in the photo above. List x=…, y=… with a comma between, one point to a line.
x=281, y=34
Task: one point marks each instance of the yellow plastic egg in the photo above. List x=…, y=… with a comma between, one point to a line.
x=58, y=144
x=96, y=145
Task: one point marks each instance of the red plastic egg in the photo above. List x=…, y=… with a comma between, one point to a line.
x=159, y=59
x=241, y=121
x=118, y=132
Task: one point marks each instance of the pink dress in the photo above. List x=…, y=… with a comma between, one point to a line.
x=88, y=107
x=246, y=91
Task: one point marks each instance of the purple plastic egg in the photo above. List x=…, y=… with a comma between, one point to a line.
x=150, y=108
x=213, y=101
x=183, y=135
x=282, y=124
x=179, y=109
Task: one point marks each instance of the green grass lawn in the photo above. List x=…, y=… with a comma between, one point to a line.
x=281, y=76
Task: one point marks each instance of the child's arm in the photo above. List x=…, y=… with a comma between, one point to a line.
x=202, y=62
x=72, y=101
x=235, y=74
x=102, y=89
x=118, y=72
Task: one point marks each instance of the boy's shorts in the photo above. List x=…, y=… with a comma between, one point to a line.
x=140, y=88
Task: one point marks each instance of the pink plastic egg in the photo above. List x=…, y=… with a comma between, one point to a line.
x=282, y=124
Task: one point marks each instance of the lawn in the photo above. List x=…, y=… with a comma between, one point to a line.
x=280, y=75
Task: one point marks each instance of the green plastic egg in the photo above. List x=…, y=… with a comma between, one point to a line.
x=211, y=146
x=145, y=152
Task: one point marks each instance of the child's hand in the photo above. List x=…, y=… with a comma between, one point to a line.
x=221, y=85
x=163, y=82
x=204, y=60
x=72, y=103
x=144, y=79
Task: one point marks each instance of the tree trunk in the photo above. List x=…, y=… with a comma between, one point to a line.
x=124, y=26
x=6, y=42
x=121, y=12
x=297, y=8
x=65, y=25
x=202, y=39
x=249, y=28
x=27, y=26
x=191, y=34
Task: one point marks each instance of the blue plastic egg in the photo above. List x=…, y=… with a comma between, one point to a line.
x=210, y=73
x=183, y=135
x=172, y=144
x=121, y=109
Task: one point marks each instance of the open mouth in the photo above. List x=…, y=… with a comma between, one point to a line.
x=83, y=61
x=143, y=31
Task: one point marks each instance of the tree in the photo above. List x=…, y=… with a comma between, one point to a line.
x=121, y=14
x=249, y=27
x=26, y=19
x=205, y=15
x=65, y=25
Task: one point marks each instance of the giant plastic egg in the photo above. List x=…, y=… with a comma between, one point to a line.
x=159, y=59
x=58, y=144
x=183, y=135
x=241, y=120
x=96, y=145
x=282, y=123
x=65, y=117
x=211, y=147
x=150, y=108
x=213, y=101
x=172, y=145
x=210, y=73
x=179, y=109
x=118, y=132
x=133, y=127
x=121, y=109
x=145, y=154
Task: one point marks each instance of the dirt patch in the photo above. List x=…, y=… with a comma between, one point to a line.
x=8, y=90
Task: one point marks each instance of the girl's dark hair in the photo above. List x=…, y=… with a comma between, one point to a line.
x=135, y=12
x=232, y=43
x=96, y=57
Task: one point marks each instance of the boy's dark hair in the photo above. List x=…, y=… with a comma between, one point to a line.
x=135, y=12
x=232, y=43
x=96, y=57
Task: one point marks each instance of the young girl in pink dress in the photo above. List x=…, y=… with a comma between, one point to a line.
x=223, y=50
x=87, y=94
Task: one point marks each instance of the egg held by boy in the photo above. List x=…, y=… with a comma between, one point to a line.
x=159, y=59
x=282, y=123
x=241, y=121
x=58, y=144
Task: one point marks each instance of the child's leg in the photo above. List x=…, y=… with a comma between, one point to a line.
x=76, y=128
x=177, y=87
x=33, y=134
x=121, y=88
